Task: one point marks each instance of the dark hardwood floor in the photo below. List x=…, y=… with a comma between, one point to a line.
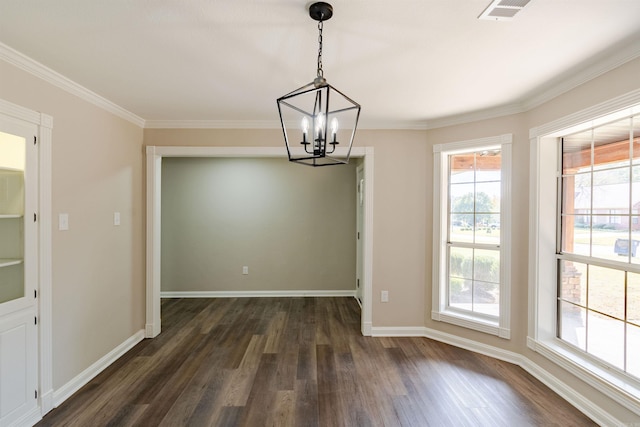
x=303, y=362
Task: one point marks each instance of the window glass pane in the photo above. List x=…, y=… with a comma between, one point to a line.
x=461, y=168
x=573, y=282
x=461, y=228
x=462, y=198
x=576, y=193
x=488, y=229
x=635, y=238
x=576, y=234
x=12, y=206
x=460, y=277
x=576, y=152
x=605, y=338
x=606, y=291
x=488, y=197
x=488, y=165
x=486, y=298
x=633, y=300
x=625, y=248
x=633, y=350
x=573, y=325
x=461, y=262
x=611, y=144
x=460, y=293
x=486, y=265
x=635, y=188
x=610, y=237
x=611, y=191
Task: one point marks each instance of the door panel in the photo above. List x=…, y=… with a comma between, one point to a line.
x=18, y=270
x=18, y=376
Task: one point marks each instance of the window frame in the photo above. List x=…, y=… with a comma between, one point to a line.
x=440, y=308
x=544, y=238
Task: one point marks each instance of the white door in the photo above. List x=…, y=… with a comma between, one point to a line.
x=18, y=270
x=359, y=231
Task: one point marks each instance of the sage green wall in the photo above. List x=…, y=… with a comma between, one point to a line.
x=294, y=226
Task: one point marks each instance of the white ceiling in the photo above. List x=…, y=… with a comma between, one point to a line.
x=409, y=63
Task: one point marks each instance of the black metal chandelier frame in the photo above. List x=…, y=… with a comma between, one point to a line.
x=311, y=104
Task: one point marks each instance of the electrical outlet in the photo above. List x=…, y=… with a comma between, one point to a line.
x=384, y=296
x=245, y=269
x=116, y=218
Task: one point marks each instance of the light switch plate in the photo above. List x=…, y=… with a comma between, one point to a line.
x=116, y=218
x=384, y=296
x=63, y=221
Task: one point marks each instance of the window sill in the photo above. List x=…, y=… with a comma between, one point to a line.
x=625, y=391
x=471, y=322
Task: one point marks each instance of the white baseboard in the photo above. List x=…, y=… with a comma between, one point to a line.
x=29, y=419
x=584, y=405
x=64, y=392
x=366, y=329
x=588, y=407
x=46, y=403
x=403, y=331
x=260, y=294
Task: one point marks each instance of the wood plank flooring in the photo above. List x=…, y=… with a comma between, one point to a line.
x=303, y=362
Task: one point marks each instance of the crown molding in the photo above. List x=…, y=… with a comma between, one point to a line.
x=474, y=116
x=581, y=75
x=623, y=105
x=31, y=66
x=211, y=124
x=273, y=124
x=376, y=124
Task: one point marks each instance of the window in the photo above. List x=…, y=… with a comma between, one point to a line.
x=471, y=234
x=584, y=259
x=598, y=256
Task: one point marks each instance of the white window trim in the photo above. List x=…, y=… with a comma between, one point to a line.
x=542, y=250
x=439, y=312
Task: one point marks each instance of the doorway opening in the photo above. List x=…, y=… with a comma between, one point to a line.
x=155, y=155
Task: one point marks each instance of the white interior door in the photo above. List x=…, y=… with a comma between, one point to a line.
x=359, y=232
x=18, y=270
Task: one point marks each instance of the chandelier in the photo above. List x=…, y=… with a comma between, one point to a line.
x=317, y=118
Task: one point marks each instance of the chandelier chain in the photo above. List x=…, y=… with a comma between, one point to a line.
x=320, y=72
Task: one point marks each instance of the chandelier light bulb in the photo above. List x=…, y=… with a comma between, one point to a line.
x=305, y=128
x=319, y=124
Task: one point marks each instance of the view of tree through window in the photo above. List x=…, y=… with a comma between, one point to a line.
x=599, y=258
x=474, y=232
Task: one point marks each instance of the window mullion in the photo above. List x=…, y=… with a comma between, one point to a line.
x=470, y=245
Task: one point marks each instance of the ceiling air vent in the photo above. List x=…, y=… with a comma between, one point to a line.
x=503, y=10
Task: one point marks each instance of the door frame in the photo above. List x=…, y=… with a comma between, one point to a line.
x=360, y=202
x=43, y=286
x=155, y=154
